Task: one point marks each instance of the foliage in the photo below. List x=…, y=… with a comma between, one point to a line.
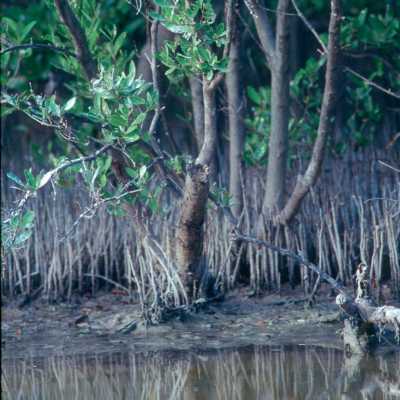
x=198, y=36
x=258, y=125
x=114, y=108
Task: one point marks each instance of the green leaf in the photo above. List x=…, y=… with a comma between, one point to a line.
x=177, y=28
x=117, y=120
x=52, y=107
x=137, y=101
x=132, y=70
x=254, y=95
x=22, y=237
x=131, y=172
x=14, y=178
x=102, y=181
x=142, y=171
x=119, y=42
x=6, y=111
x=30, y=178
x=139, y=120
x=107, y=164
x=26, y=30
x=116, y=211
x=70, y=104
x=27, y=219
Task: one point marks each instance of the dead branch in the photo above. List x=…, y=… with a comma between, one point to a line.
x=335, y=284
x=365, y=317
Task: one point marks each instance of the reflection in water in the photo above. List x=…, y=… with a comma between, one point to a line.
x=252, y=373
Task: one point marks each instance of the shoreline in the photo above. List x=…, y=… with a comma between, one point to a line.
x=41, y=330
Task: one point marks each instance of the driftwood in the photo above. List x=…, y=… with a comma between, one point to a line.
x=365, y=321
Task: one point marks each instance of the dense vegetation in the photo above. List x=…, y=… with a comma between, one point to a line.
x=148, y=140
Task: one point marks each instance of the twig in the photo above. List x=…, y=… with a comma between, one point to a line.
x=388, y=166
x=309, y=26
x=47, y=178
x=371, y=83
x=116, y=284
x=38, y=46
x=348, y=69
x=94, y=208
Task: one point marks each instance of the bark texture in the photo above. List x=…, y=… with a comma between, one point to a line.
x=279, y=140
x=190, y=233
x=196, y=89
x=276, y=50
x=236, y=126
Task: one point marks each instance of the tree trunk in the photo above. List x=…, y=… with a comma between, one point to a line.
x=196, y=90
x=306, y=181
x=190, y=232
x=236, y=126
x=278, y=141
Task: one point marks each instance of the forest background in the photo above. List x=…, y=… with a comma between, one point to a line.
x=143, y=142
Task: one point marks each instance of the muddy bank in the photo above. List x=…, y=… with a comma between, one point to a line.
x=109, y=323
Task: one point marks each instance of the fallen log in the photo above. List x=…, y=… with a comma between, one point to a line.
x=365, y=321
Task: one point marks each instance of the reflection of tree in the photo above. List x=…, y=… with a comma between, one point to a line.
x=252, y=373
x=366, y=377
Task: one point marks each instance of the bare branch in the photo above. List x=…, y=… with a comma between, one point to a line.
x=310, y=27
x=116, y=284
x=389, y=166
x=372, y=83
x=336, y=285
x=92, y=210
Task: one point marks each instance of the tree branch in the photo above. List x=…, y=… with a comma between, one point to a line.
x=79, y=38
x=210, y=86
x=336, y=285
x=372, y=83
x=348, y=69
x=264, y=29
x=310, y=27
x=38, y=46
x=305, y=182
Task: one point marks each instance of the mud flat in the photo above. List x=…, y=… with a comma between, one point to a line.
x=109, y=323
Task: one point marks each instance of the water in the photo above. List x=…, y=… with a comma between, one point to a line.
x=273, y=373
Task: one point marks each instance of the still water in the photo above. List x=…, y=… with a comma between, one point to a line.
x=273, y=373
